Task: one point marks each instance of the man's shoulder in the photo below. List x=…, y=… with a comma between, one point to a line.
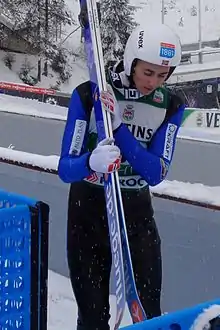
x=175, y=103
x=85, y=92
x=84, y=88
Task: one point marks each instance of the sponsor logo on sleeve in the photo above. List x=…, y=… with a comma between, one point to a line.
x=78, y=137
x=164, y=168
x=169, y=141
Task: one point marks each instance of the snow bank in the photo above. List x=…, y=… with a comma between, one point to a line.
x=195, y=192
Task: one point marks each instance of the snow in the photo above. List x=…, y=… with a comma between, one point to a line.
x=62, y=309
x=77, y=64
x=45, y=162
x=6, y=74
x=202, y=321
x=190, y=191
x=200, y=134
x=18, y=105
x=196, y=71
x=198, y=67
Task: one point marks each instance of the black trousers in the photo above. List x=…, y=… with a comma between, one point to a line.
x=89, y=254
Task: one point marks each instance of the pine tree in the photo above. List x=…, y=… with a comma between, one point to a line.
x=40, y=22
x=193, y=11
x=117, y=23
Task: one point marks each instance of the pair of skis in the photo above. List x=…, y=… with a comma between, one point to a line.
x=122, y=271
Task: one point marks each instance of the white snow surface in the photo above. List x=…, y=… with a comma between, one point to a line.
x=202, y=321
x=28, y=107
x=62, y=309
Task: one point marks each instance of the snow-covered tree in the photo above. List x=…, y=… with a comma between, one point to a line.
x=181, y=21
x=40, y=22
x=193, y=11
x=171, y=4
x=117, y=22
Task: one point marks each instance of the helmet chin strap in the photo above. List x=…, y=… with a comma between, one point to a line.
x=172, y=68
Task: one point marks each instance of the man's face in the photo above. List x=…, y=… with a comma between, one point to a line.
x=147, y=77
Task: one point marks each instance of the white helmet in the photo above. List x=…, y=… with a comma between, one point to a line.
x=156, y=44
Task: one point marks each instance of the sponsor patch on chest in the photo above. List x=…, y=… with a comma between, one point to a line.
x=128, y=113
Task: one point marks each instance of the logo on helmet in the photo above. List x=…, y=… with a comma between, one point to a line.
x=165, y=62
x=167, y=50
x=164, y=168
x=141, y=39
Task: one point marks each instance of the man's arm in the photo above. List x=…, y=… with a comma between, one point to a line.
x=73, y=164
x=152, y=163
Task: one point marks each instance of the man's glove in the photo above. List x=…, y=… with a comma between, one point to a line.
x=106, y=157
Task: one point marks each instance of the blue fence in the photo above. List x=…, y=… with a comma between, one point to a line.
x=23, y=262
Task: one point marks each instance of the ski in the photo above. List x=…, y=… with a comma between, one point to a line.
x=88, y=20
x=122, y=263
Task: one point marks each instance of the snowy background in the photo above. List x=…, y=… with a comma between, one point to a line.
x=180, y=14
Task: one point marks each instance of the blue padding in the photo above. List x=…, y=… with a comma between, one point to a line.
x=15, y=267
x=180, y=320
x=8, y=199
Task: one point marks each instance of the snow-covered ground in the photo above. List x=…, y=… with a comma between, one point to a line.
x=18, y=105
x=62, y=309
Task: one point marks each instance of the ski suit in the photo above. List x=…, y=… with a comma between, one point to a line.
x=146, y=139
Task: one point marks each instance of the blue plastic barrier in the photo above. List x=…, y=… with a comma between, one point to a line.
x=23, y=262
x=186, y=319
